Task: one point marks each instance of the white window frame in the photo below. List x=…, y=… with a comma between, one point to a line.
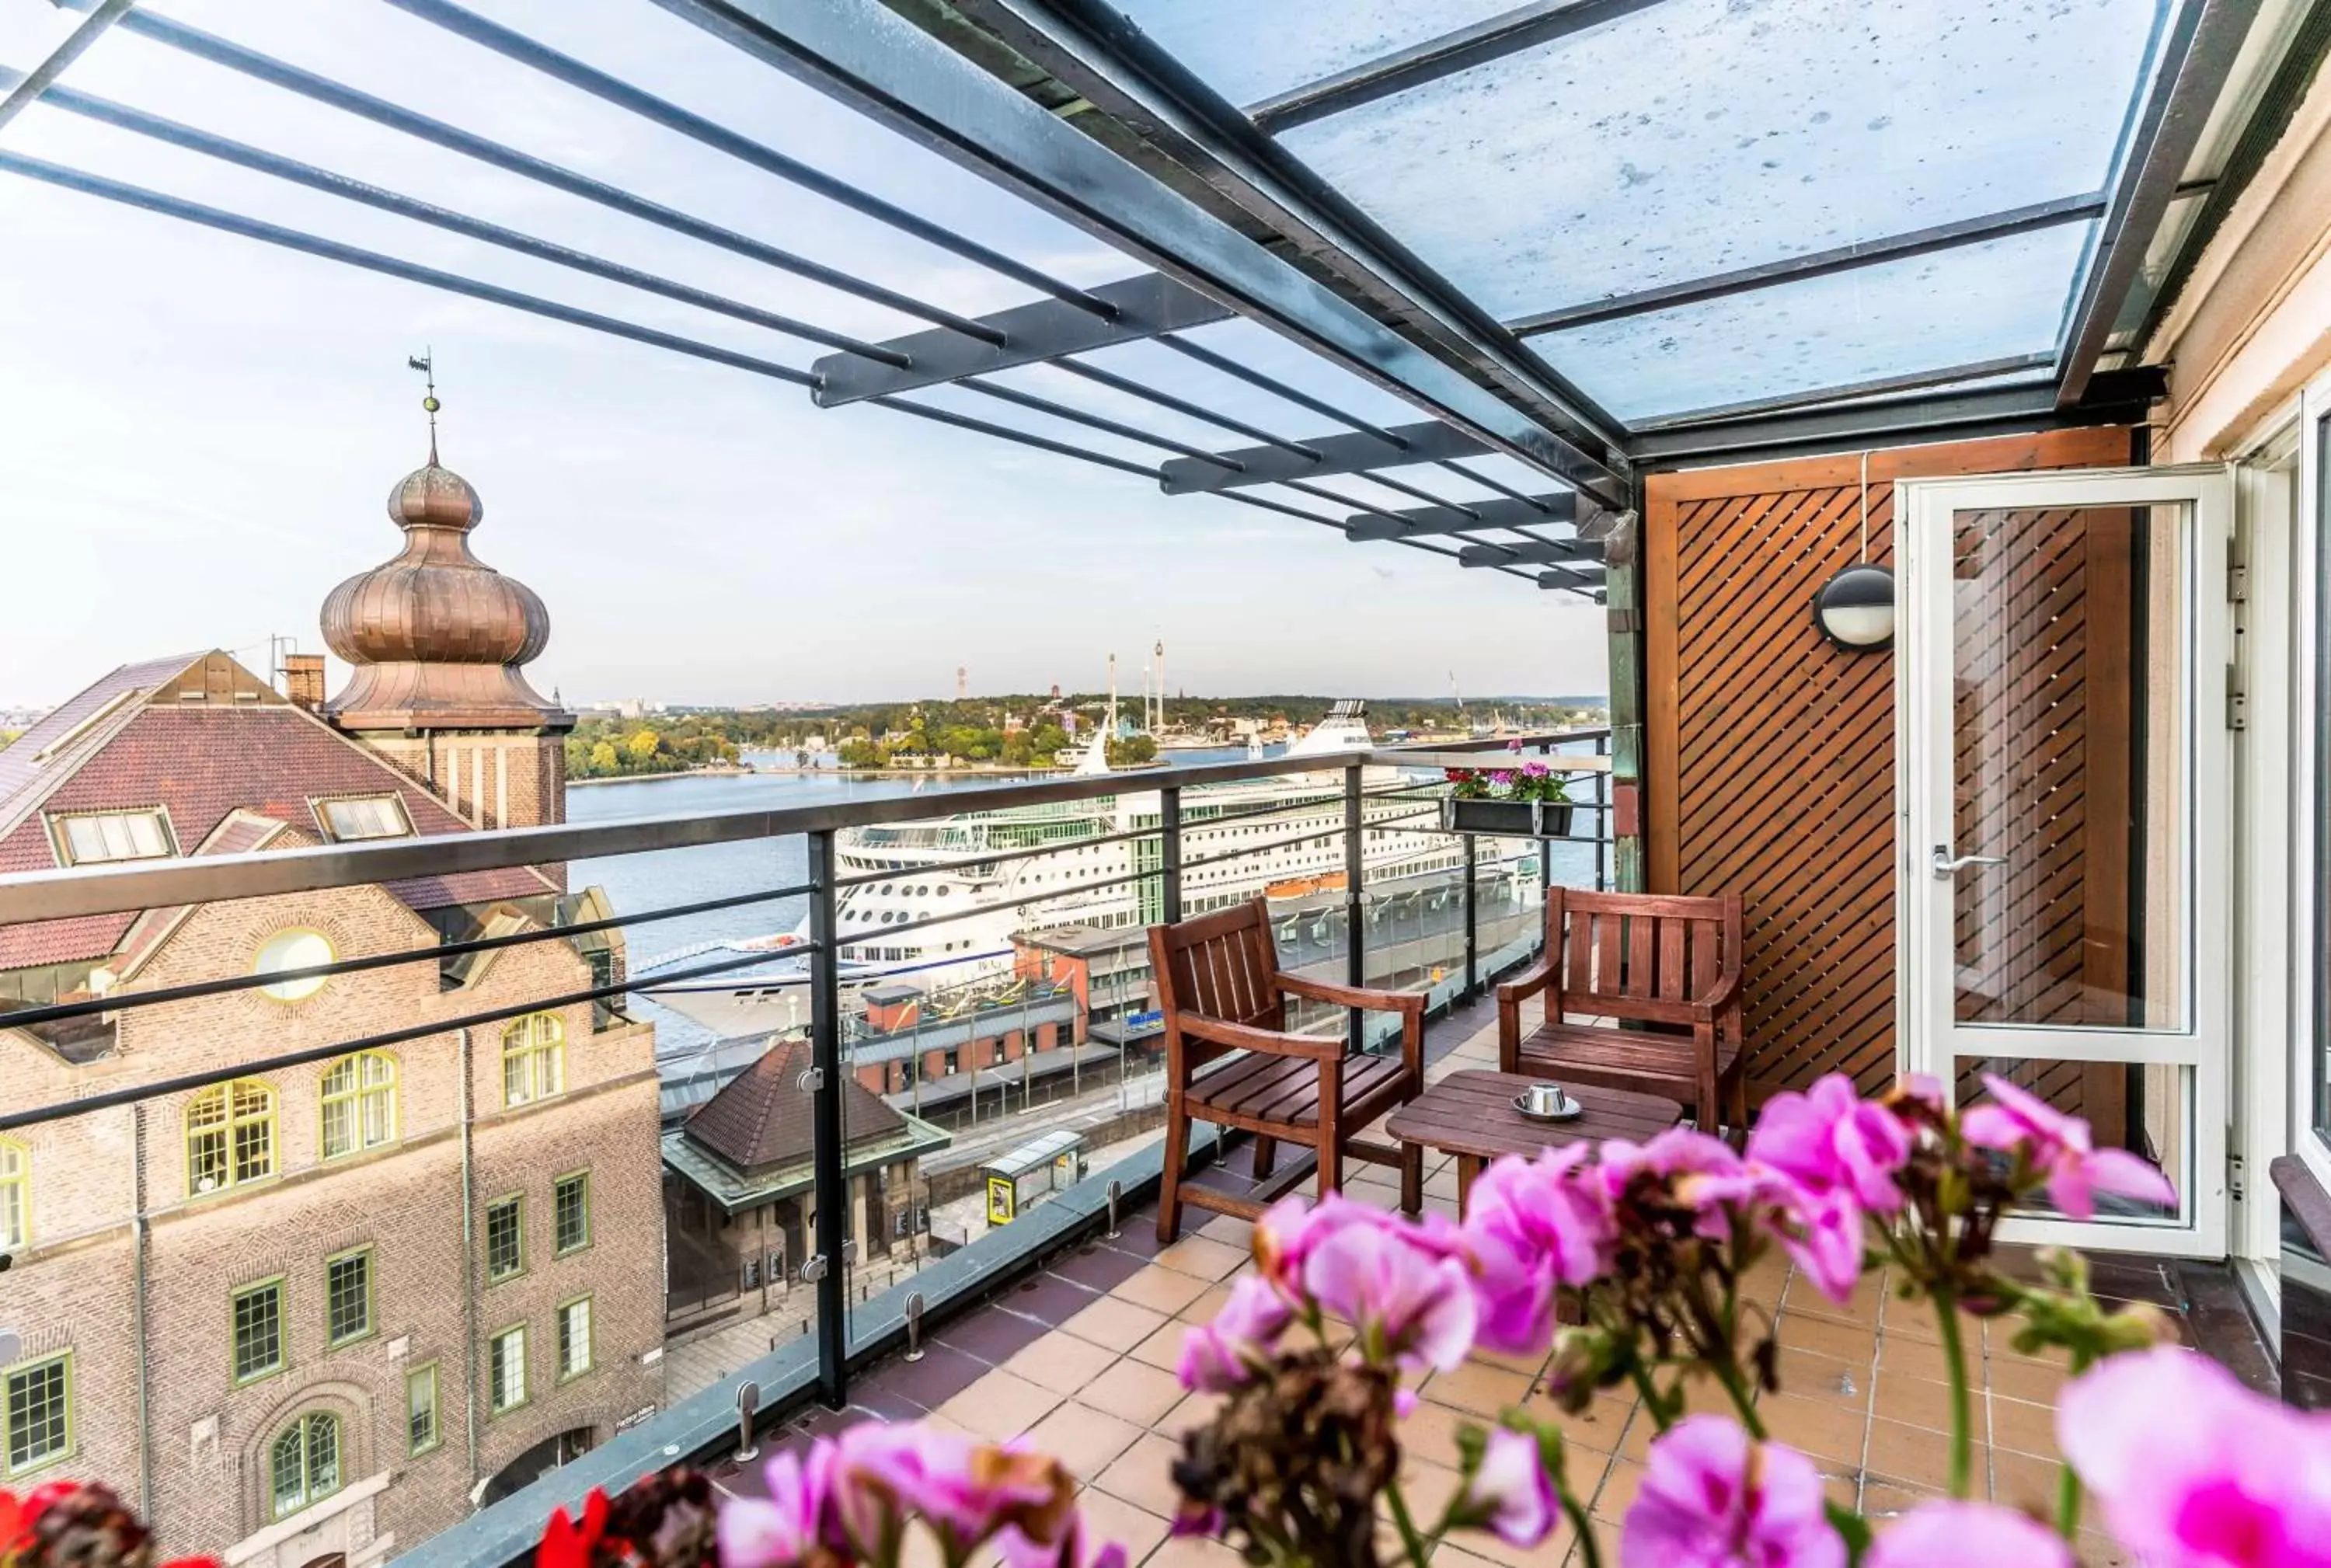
x=2307, y=743
x=321, y=806
x=60, y=836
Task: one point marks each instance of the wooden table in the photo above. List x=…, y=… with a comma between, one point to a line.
x=1472, y=1115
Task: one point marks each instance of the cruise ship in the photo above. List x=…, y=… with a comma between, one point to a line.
x=1281, y=836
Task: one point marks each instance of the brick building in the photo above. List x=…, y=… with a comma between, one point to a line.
x=309, y=1314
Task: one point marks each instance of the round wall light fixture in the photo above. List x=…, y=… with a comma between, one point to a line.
x=1855, y=609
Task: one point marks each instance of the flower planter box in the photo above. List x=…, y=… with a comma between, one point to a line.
x=1508, y=819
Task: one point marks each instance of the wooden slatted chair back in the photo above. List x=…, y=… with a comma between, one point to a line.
x=1219, y=966
x=1638, y=955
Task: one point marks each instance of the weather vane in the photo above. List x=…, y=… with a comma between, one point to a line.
x=425, y=362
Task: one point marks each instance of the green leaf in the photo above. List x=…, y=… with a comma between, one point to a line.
x=1853, y=1527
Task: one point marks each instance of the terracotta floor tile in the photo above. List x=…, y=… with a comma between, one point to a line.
x=1229, y=1229
x=1163, y=1349
x=1426, y=1490
x=1061, y=1363
x=2036, y=1382
x=1204, y=1256
x=1862, y=1307
x=1920, y=1358
x=1847, y=1342
x=1917, y=1455
x=1620, y=1484
x=1884, y=1499
x=1115, y=1324
x=1000, y=1406
x=1917, y=1402
x=2026, y=1428
x=1197, y=1409
x=1141, y=1476
x=2024, y=1481
x=1140, y=1394
x=1478, y=1388
x=1163, y=1290
x=1193, y=1552
x=1207, y=1305
x=1916, y=1320
x=1602, y=1426
x=1830, y=1433
x=1112, y=1519
x=1086, y=1439
x=1809, y=1375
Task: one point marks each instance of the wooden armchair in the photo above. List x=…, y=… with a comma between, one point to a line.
x=1672, y=962
x=1222, y=991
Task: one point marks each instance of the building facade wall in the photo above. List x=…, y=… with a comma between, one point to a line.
x=203, y=1472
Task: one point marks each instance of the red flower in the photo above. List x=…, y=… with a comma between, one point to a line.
x=14, y=1525
x=567, y=1545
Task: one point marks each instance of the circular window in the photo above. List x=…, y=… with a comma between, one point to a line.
x=296, y=949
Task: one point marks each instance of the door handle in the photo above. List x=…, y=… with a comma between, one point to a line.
x=1946, y=867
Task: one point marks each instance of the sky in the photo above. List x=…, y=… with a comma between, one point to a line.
x=198, y=430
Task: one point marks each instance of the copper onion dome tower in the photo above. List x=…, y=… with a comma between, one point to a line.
x=436, y=635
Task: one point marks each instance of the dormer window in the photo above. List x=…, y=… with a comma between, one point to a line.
x=100, y=838
x=364, y=817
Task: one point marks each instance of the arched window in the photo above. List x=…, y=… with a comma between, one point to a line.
x=15, y=1195
x=534, y=1058
x=305, y=1462
x=359, y=1103
x=230, y=1135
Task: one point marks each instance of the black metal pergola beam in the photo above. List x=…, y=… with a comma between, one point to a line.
x=1529, y=553
x=1473, y=518
x=1899, y=247
x=76, y=44
x=867, y=57
x=1144, y=306
x=1327, y=454
x=1494, y=38
x=2116, y=398
x=1562, y=577
x=2196, y=54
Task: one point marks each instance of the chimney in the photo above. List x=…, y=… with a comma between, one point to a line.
x=303, y=680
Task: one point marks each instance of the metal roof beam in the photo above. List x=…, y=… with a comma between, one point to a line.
x=1818, y=263
x=1145, y=306
x=1578, y=582
x=1913, y=380
x=1333, y=454
x=2116, y=398
x=1552, y=509
x=863, y=55
x=1533, y=553
x=76, y=44
x=1523, y=27
x=2197, y=53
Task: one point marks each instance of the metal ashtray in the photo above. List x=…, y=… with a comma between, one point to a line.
x=1567, y=1107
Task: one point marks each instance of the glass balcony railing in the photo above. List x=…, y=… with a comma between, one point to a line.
x=377, y=1198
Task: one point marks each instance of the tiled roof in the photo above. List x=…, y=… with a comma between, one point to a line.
x=202, y=763
x=23, y=769
x=761, y=1119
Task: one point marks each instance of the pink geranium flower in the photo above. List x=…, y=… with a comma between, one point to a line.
x=1952, y=1535
x=1535, y=1224
x=791, y=1523
x=2015, y=1121
x=1411, y=1299
x=1225, y=1353
x=2193, y=1470
x=1511, y=1492
x=1712, y=1498
x=1829, y=1139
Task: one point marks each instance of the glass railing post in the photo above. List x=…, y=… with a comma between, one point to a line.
x=1169, y=850
x=825, y=1112
x=1355, y=896
x=1601, y=817
x=1472, y=916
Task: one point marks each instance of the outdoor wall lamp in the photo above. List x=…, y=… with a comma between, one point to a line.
x=1855, y=608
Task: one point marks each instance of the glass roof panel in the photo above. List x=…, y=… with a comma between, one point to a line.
x=1973, y=304
x=1249, y=49
x=1697, y=137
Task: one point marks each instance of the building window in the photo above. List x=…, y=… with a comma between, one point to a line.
x=370, y=817
x=506, y=1369
x=348, y=1296
x=534, y=1058
x=15, y=1195
x=359, y=1104
x=305, y=1461
x=505, y=1238
x=38, y=1416
x=257, y=1330
x=572, y=1203
x=297, y=948
x=951, y=1061
x=998, y=1057
x=421, y=1409
x=106, y=836
x=575, y=1338
x=230, y=1136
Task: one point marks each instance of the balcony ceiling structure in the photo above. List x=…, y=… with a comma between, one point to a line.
x=1580, y=239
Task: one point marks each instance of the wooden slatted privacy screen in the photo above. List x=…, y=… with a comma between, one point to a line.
x=1769, y=766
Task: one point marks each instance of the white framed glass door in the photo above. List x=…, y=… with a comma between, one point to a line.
x=2063, y=851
